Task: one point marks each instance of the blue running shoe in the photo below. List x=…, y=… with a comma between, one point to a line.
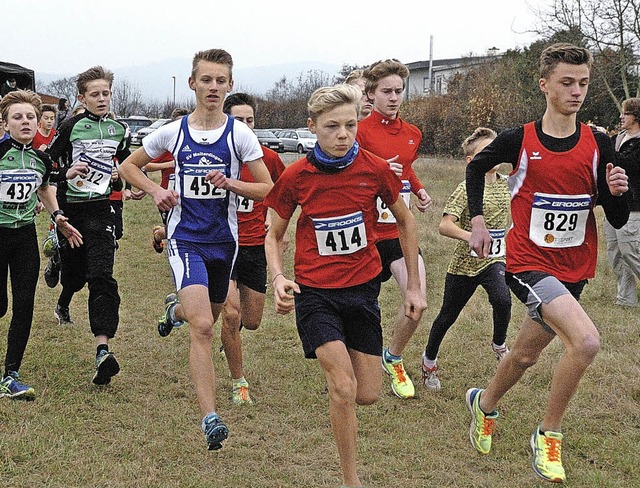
x=165, y=323
x=214, y=431
x=11, y=387
x=106, y=367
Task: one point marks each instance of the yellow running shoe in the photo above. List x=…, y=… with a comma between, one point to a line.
x=547, y=455
x=401, y=384
x=240, y=393
x=482, y=425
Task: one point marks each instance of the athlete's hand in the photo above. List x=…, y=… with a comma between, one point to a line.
x=69, y=231
x=617, y=180
x=414, y=304
x=424, y=200
x=39, y=207
x=217, y=179
x=114, y=174
x=137, y=194
x=283, y=290
x=165, y=200
x=395, y=167
x=480, y=240
x=79, y=168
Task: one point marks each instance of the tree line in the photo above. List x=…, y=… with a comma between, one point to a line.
x=499, y=94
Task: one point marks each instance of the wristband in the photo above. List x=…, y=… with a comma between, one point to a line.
x=55, y=214
x=274, y=278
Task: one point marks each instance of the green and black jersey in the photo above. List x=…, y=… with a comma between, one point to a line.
x=22, y=171
x=94, y=140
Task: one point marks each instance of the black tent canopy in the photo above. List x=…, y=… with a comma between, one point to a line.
x=25, y=77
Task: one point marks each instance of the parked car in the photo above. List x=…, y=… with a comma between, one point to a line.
x=136, y=137
x=269, y=139
x=133, y=124
x=296, y=140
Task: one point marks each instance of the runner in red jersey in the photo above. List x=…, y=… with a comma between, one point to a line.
x=385, y=134
x=336, y=263
x=248, y=286
x=561, y=170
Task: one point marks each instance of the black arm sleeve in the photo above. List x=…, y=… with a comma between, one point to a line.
x=616, y=209
x=503, y=149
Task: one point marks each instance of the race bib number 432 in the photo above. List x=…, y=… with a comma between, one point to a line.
x=559, y=221
x=195, y=185
x=340, y=235
x=17, y=186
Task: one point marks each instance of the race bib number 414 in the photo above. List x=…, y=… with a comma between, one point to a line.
x=340, y=235
x=559, y=221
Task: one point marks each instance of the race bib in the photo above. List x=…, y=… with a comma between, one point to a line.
x=18, y=185
x=559, y=221
x=97, y=179
x=384, y=214
x=245, y=205
x=340, y=235
x=171, y=185
x=195, y=186
x=498, y=244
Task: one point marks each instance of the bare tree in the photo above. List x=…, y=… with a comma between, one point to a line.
x=62, y=88
x=126, y=98
x=610, y=28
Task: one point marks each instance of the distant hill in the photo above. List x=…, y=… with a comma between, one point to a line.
x=155, y=80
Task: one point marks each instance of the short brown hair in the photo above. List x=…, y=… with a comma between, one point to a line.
x=20, y=96
x=471, y=143
x=92, y=74
x=218, y=56
x=49, y=108
x=381, y=69
x=632, y=106
x=563, y=52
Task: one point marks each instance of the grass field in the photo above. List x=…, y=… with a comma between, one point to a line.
x=143, y=430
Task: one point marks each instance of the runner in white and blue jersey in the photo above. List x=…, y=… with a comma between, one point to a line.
x=209, y=149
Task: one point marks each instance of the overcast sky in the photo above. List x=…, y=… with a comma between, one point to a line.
x=68, y=36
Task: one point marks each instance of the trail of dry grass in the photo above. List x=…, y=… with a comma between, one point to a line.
x=143, y=430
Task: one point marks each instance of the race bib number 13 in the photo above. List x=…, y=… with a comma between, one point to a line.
x=340, y=235
x=559, y=221
x=498, y=245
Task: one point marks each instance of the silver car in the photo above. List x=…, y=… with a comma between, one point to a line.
x=296, y=140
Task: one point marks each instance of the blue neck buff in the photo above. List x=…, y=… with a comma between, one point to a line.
x=329, y=164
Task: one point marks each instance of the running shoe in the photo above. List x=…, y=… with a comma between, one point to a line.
x=50, y=244
x=214, y=431
x=430, y=376
x=52, y=271
x=547, y=455
x=63, y=316
x=12, y=387
x=499, y=351
x=482, y=425
x=240, y=393
x=165, y=324
x=158, y=244
x=401, y=384
x=106, y=367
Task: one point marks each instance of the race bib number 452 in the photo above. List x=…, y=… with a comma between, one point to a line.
x=195, y=185
x=559, y=221
x=340, y=235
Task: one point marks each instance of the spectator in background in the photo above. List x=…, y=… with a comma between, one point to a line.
x=623, y=245
x=8, y=86
x=45, y=132
x=63, y=111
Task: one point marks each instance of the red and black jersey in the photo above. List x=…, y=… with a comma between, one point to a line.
x=252, y=214
x=387, y=138
x=335, y=232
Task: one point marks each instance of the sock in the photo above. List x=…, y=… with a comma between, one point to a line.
x=388, y=357
x=429, y=363
x=499, y=346
x=102, y=347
